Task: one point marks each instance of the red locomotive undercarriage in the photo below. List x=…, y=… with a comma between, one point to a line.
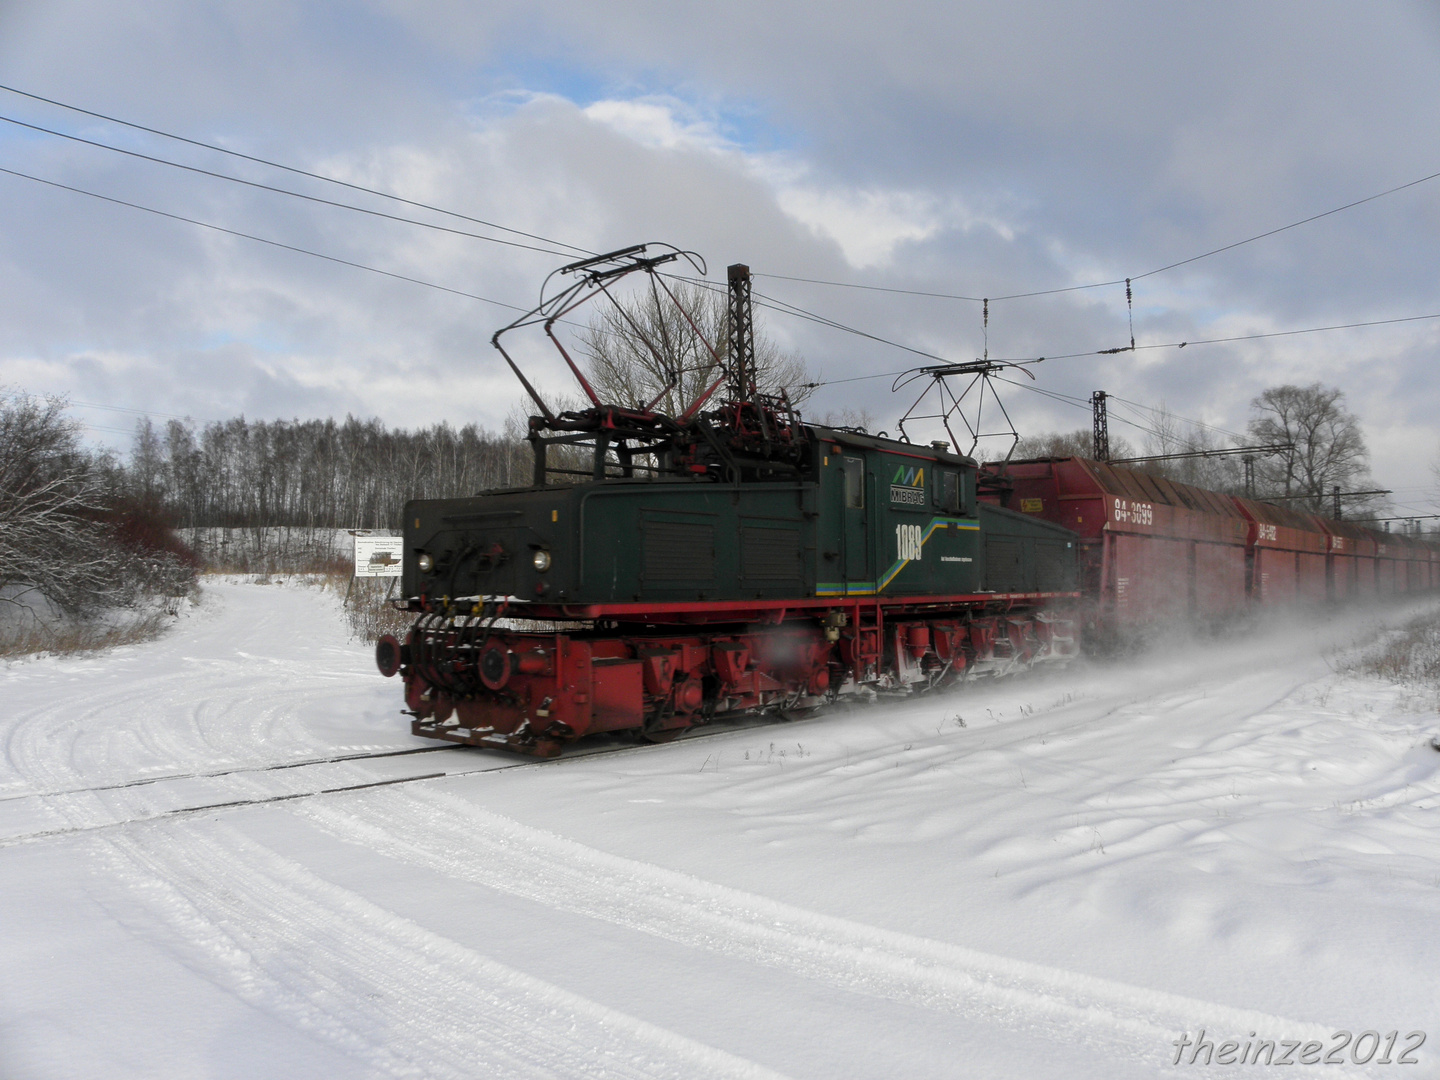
x=468, y=680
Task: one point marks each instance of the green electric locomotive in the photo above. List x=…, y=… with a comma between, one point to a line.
x=661, y=571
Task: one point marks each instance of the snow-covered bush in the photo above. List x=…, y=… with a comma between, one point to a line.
x=1409, y=656
x=73, y=549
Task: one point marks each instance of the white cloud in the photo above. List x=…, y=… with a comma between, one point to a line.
x=659, y=124
x=868, y=225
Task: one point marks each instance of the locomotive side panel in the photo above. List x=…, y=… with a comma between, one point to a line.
x=926, y=535
x=1022, y=554
x=895, y=522
x=696, y=542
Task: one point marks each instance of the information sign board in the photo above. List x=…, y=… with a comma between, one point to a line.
x=377, y=556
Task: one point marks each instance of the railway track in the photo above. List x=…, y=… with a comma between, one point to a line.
x=223, y=772
x=494, y=765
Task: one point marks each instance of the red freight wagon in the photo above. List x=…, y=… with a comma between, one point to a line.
x=1151, y=549
x=1407, y=563
x=1287, y=553
x=1351, y=559
x=1386, y=551
x=1419, y=563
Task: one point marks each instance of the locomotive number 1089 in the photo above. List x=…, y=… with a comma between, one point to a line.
x=909, y=542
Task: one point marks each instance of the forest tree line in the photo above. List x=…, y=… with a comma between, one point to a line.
x=358, y=474
x=353, y=474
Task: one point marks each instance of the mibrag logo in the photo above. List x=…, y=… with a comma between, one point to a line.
x=908, y=485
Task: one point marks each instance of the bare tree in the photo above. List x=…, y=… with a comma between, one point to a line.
x=1329, y=449
x=635, y=344
x=1077, y=443
x=855, y=419
x=61, y=533
x=1171, y=435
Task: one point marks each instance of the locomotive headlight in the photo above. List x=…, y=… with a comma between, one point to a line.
x=426, y=562
x=541, y=560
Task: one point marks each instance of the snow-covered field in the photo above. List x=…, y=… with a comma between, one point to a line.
x=1054, y=877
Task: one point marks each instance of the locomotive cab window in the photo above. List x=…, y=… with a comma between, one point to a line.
x=948, y=491
x=854, y=483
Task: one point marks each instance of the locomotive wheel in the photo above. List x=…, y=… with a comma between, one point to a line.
x=388, y=655
x=495, y=666
x=663, y=736
x=802, y=713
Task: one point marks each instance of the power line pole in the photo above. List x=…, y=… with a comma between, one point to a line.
x=1101, y=425
x=742, y=333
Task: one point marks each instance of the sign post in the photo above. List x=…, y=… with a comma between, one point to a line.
x=378, y=556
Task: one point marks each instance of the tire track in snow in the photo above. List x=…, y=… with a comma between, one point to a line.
x=407, y=1001
x=230, y=684
x=446, y=835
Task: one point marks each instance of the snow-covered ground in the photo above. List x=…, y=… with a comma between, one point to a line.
x=1054, y=877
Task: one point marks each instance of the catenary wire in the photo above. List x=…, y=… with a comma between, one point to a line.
x=261, y=239
x=1163, y=345
x=271, y=243
x=799, y=312
x=1079, y=403
x=1156, y=411
x=1121, y=280
x=775, y=305
x=766, y=301
x=293, y=169
x=1246, y=337
x=770, y=302
x=558, y=243
x=778, y=304
x=283, y=191
x=783, y=308
x=124, y=409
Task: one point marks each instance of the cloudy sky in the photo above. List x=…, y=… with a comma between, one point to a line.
x=968, y=149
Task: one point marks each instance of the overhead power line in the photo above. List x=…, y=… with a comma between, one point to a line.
x=1406, y=517
x=575, y=247
x=1119, y=280
x=790, y=309
x=1284, y=228
x=783, y=308
x=877, y=288
x=766, y=301
x=101, y=427
x=291, y=169
x=261, y=239
x=1224, y=451
x=1247, y=337
x=283, y=191
x=1079, y=403
x=1158, y=411
x=1165, y=345
x=146, y=413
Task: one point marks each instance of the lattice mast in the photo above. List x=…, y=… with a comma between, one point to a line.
x=742, y=335
x=1101, y=434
